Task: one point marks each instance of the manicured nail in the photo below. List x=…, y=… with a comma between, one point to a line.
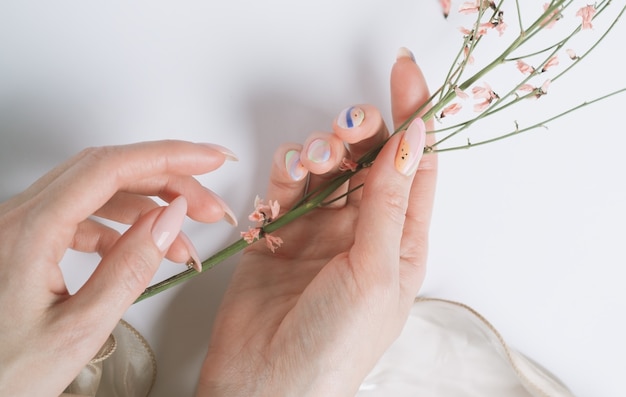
x=229, y=215
x=168, y=224
x=318, y=151
x=411, y=147
x=194, y=259
x=404, y=52
x=294, y=166
x=350, y=117
x=225, y=151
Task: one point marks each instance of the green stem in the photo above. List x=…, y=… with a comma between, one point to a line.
x=532, y=127
x=446, y=93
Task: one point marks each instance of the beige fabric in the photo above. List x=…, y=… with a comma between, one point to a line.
x=446, y=350
x=124, y=367
x=449, y=350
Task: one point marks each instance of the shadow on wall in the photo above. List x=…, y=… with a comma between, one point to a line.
x=35, y=135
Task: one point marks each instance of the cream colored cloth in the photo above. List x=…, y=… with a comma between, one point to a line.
x=446, y=350
x=124, y=367
x=449, y=350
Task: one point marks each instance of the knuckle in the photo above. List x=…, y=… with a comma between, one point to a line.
x=394, y=205
x=135, y=270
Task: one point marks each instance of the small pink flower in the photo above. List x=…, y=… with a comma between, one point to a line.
x=539, y=92
x=524, y=67
x=571, y=54
x=445, y=6
x=273, y=242
x=482, y=30
x=551, y=62
x=480, y=106
x=526, y=88
x=450, y=110
x=460, y=93
x=484, y=92
x=264, y=212
x=347, y=164
x=469, y=7
x=468, y=56
x=551, y=19
x=501, y=27
x=586, y=13
x=251, y=235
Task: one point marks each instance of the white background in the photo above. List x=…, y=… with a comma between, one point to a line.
x=528, y=231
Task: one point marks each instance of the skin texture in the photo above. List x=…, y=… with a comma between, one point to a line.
x=40, y=321
x=313, y=318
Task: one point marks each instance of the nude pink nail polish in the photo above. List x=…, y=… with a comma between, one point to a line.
x=168, y=224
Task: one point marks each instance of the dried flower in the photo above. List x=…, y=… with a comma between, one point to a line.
x=524, y=67
x=469, y=7
x=571, y=54
x=445, y=6
x=251, y=235
x=273, y=242
x=460, y=93
x=264, y=212
x=347, y=164
x=586, y=13
x=450, y=110
x=551, y=19
x=551, y=62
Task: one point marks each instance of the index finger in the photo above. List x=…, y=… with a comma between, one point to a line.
x=101, y=172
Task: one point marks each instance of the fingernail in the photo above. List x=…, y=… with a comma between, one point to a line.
x=404, y=52
x=168, y=224
x=350, y=117
x=294, y=166
x=318, y=151
x=411, y=147
x=229, y=215
x=225, y=151
x=194, y=259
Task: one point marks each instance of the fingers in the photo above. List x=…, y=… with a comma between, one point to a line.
x=383, y=207
x=362, y=127
x=86, y=184
x=408, y=93
x=323, y=156
x=128, y=267
x=102, y=172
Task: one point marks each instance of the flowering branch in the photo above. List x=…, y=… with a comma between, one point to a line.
x=443, y=104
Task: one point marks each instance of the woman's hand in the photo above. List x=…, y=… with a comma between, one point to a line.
x=314, y=317
x=47, y=335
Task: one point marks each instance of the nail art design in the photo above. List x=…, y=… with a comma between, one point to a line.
x=404, y=52
x=294, y=166
x=351, y=117
x=411, y=148
x=318, y=151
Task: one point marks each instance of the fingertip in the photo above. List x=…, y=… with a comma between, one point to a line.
x=228, y=154
x=322, y=153
x=167, y=225
x=193, y=260
x=288, y=176
x=221, y=210
x=287, y=164
x=409, y=90
x=358, y=123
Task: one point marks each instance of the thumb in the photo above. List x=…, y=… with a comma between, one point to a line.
x=130, y=264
